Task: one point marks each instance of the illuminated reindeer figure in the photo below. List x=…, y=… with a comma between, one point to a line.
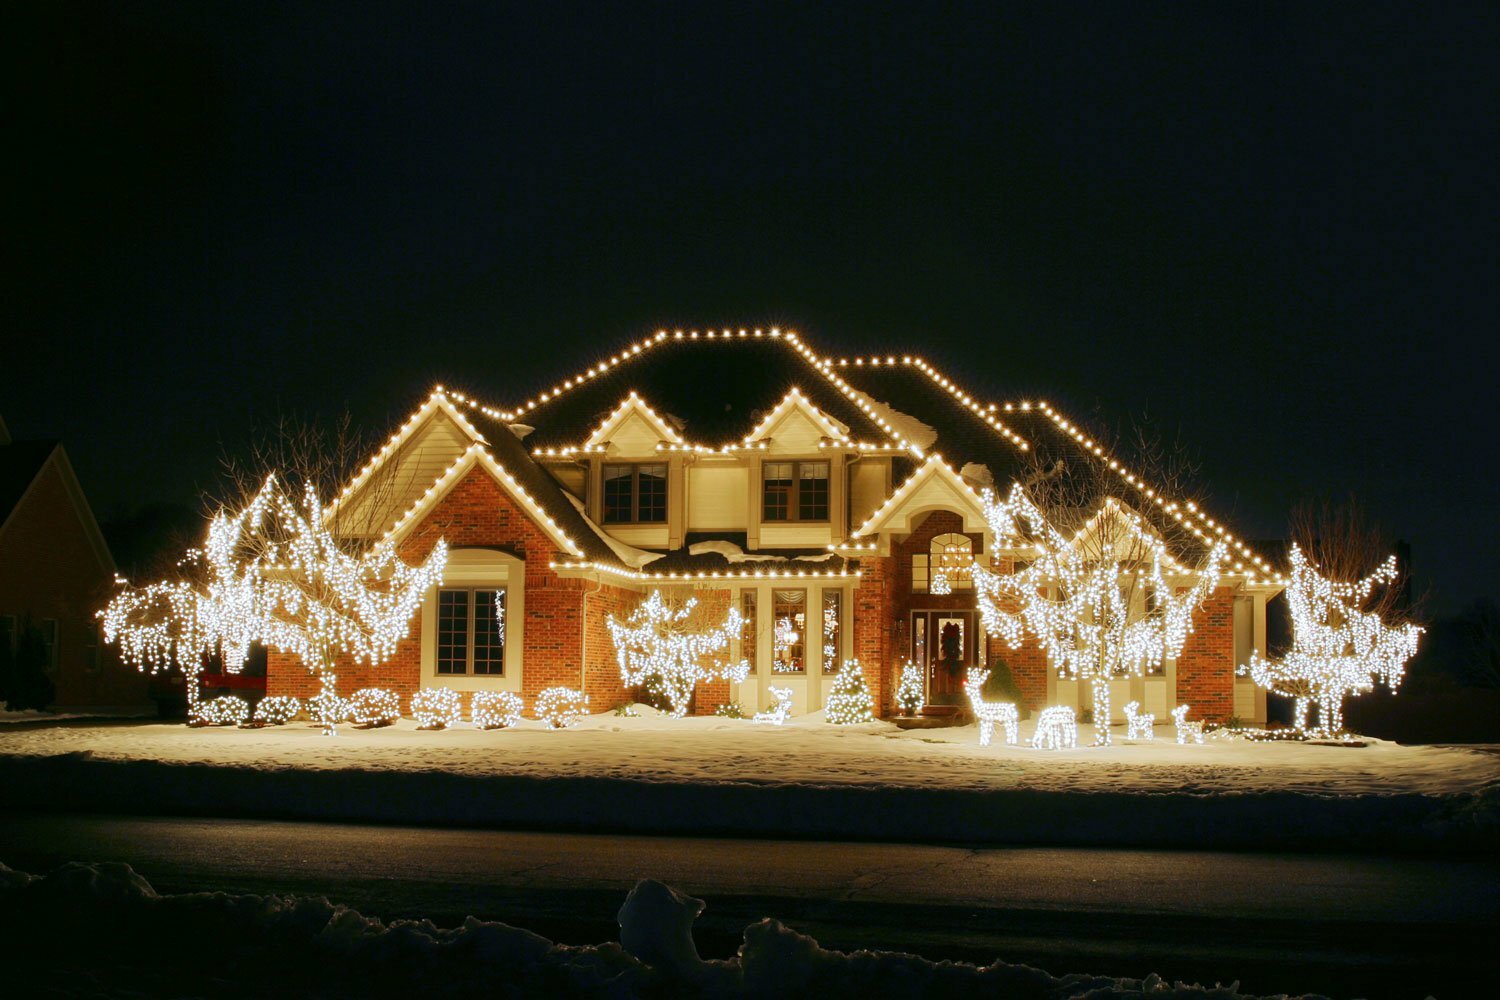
x=778, y=713
x=1056, y=729
x=1187, y=732
x=1140, y=726
x=990, y=712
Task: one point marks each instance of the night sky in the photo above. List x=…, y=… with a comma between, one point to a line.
x=1271, y=227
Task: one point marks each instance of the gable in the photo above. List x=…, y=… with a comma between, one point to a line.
x=796, y=426
x=934, y=486
x=632, y=429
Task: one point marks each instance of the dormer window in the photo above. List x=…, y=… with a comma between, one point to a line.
x=795, y=491
x=635, y=494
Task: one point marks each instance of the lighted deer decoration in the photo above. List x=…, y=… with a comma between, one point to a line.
x=778, y=712
x=990, y=712
x=1140, y=726
x=1056, y=729
x=1187, y=732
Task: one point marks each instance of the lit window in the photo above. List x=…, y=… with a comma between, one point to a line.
x=833, y=605
x=749, y=638
x=471, y=631
x=789, y=614
x=635, y=494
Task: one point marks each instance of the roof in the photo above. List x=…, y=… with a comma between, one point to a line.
x=20, y=462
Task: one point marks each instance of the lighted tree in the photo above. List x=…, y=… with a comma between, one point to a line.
x=1338, y=648
x=849, y=702
x=672, y=648
x=273, y=571
x=909, y=693
x=1104, y=601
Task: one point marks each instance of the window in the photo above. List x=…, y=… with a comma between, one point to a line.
x=833, y=605
x=794, y=491
x=946, y=566
x=635, y=494
x=789, y=614
x=471, y=631
x=749, y=638
x=50, y=643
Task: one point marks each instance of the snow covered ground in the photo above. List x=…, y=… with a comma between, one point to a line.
x=215, y=943
x=830, y=780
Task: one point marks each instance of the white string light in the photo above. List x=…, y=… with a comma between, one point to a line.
x=849, y=701
x=662, y=645
x=990, y=712
x=561, y=707
x=909, y=691
x=1056, y=729
x=326, y=708
x=1139, y=726
x=436, y=708
x=374, y=707
x=497, y=709
x=1187, y=732
x=1075, y=595
x=277, y=710
x=1338, y=649
x=778, y=713
x=225, y=710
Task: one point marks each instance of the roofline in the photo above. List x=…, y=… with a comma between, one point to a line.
x=74, y=489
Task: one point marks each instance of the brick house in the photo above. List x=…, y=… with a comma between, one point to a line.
x=836, y=502
x=55, y=571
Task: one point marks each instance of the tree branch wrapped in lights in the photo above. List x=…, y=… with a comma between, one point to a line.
x=671, y=646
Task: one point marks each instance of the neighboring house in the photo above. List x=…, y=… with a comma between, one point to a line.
x=55, y=573
x=821, y=496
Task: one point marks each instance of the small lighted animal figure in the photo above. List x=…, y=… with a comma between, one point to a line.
x=783, y=707
x=1187, y=732
x=1056, y=729
x=990, y=712
x=1139, y=726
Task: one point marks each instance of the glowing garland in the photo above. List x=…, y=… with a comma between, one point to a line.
x=277, y=710
x=1075, y=595
x=374, y=707
x=1056, y=729
x=1338, y=650
x=658, y=643
x=1139, y=726
x=778, y=713
x=1187, y=732
x=497, y=709
x=849, y=701
x=436, y=708
x=990, y=712
x=561, y=707
x=909, y=691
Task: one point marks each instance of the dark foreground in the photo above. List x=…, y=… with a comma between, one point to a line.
x=1343, y=926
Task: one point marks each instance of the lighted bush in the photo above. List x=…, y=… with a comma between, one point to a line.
x=277, y=710
x=436, y=708
x=225, y=710
x=497, y=709
x=374, y=707
x=327, y=709
x=561, y=707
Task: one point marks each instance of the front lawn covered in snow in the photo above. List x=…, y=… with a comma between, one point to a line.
x=657, y=774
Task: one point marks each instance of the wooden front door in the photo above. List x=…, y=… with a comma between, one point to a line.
x=947, y=643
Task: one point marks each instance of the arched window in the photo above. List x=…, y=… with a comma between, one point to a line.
x=950, y=563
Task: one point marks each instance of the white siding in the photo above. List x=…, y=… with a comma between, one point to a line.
x=794, y=535
x=634, y=438
x=406, y=476
x=643, y=536
x=867, y=488
x=795, y=434
x=572, y=478
x=718, y=497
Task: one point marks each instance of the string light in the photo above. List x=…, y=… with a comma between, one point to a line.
x=1187, y=732
x=990, y=712
x=778, y=712
x=1139, y=726
x=784, y=636
x=663, y=645
x=561, y=707
x=1056, y=729
x=696, y=575
x=374, y=707
x=849, y=701
x=497, y=709
x=1338, y=649
x=326, y=708
x=276, y=710
x=225, y=710
x=436, y=708
x=1076, y=595
x=909, y=691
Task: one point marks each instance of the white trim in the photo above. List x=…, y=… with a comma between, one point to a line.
x=476, y=568
x=960, y=497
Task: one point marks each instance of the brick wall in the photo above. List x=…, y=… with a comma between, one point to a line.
x=874, y=642
x=1205, y=667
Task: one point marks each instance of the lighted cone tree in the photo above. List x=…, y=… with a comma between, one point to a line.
x=1338, y=649
x=909, y=692
x=1106, y=601
x=274, y=572
x=849, y=702
x=672, y=648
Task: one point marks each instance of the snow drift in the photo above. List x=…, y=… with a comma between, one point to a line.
x=215, y=943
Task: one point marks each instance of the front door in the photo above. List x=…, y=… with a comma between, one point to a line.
x=947, y=643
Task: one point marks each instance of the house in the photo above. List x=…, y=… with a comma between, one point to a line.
x=836, y=502
x=55, y=572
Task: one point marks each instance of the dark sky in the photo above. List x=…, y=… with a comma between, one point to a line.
x=1270, y=226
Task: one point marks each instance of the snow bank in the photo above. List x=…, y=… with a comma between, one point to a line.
x=730, y=551
x=212, y=943
x=920, y=434
x=656, y=774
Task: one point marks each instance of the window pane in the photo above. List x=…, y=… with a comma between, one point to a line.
x=651, y=497
x=489, y=631
x=617, y=482
x=749, y=637
x=778, y=491
x=790, y=623
x=833, y=606
x=453, y=632
x=812, y=491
